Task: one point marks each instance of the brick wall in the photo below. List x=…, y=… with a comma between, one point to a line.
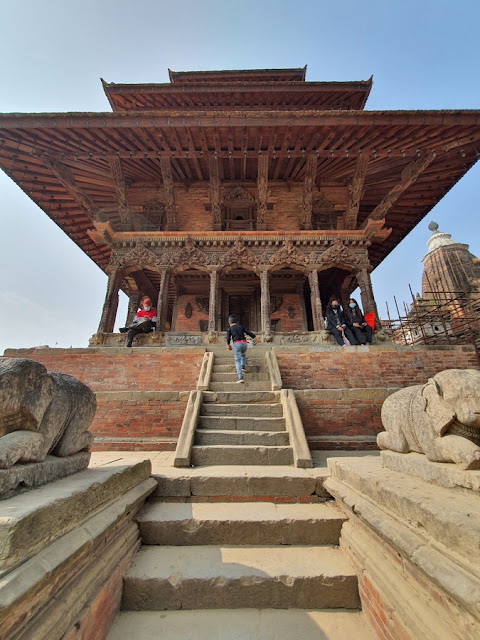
x=377, y=367
x=110, y=369
x=141, y=394
x=189, y=324
x=138, y=421
x=288, y=324
x=96, y=619
x=342, y=418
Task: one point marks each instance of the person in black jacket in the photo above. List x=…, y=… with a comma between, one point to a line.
x=336, y=324
x=356, y=322
x=236, y=332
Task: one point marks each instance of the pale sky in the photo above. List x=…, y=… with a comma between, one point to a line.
x=423, y=54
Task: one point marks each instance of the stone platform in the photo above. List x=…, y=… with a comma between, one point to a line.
x=414, y=544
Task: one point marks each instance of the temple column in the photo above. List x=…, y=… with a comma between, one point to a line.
x=162, y=301
x=110, y=306
x=366, y=294
x=212, y=305
x=133, y=303
x=316, y=301
x=265, y=302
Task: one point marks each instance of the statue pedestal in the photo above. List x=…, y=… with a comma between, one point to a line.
x=415, y=546
x=23, y=477
x=64, y=549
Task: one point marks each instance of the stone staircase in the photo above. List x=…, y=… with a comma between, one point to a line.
x=243, y=424
x=239, y=570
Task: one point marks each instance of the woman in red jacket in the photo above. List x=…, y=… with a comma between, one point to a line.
x=144, y=321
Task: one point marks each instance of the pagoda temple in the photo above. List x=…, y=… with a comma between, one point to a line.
x=251, y=192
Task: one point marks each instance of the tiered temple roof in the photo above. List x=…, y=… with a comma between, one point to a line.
x=80, y=167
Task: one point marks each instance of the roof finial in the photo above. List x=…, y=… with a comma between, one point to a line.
x=433, y=226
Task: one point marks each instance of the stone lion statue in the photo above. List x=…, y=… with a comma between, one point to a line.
x=41, y=413
x=440, y=419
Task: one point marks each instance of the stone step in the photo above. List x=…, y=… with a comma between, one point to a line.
x=266, y=482
x=232, y=377
x=230, y=368
x=250, y=410
x=241, y=454
x=207, y=437
x=233, y=386
x=250, y=423
x=251, y=523
x=229, y=360
x=241, y=624
x=232, y=577
x=242, y=396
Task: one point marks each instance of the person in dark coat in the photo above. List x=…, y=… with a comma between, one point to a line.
x=336, y=324
x=356, y=322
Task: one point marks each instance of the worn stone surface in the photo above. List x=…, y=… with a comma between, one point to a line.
x=44, y=596
x=242, y=624
x=206, y=577
x=440, y=419
x=166, y=523
x=241, y=455
x=31, y=521
x=442, y=473
x=432, y=532
x=41, y=413
x=22, y=477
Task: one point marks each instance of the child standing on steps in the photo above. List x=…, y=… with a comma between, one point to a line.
x=236, y=332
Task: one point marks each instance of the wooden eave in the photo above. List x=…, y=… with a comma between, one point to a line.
x=238, y=75
x=228, y=95
x=35, y=149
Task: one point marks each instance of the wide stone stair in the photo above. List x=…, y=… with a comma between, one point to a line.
x=239, y=570
x=241, y=423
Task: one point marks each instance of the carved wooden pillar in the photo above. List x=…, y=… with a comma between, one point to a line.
x=265, y=301
x=215, y=193
x=169, y=195
x=366, y=294
x=133, y=303
x=162, y=301
x=262, y=189
x=110, y=306
x=315, y=301
x=307, y=195
x=212, y=307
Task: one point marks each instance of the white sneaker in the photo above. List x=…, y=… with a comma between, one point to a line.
x=240, y=380
x=244, y=370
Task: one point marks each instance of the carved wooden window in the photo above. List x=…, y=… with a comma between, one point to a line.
x=239, y=211
x=153, y=217
x=324, y=215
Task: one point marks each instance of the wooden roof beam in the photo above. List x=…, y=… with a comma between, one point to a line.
x=215, y=192
x=307, y=195
x=408, y=176
x=355, y=189
x=262, y=190
x=121, y=193
x=169, y=194
x=67, y=179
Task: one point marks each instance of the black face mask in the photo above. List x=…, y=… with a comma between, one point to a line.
x=335, y=307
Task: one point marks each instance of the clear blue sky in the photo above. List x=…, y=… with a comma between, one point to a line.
x=422, y=54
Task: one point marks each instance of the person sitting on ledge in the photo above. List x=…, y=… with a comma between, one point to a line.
x=144, y=321
x=336, y=324
x=356, y=322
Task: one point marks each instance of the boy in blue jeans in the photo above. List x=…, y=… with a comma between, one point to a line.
x=236, y=332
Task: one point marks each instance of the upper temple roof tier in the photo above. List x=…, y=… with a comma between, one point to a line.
x=272, y=89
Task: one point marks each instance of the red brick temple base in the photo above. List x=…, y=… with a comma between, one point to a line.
x=142, y=392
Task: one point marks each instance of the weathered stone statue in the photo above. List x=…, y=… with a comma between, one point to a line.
x=41, y=413
x=440, y=419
